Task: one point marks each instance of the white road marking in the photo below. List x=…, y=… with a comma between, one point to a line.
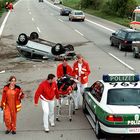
x=3, y=71
x=78, y=32
x=51, y=14
x=3, y=23
x=32, y=19
x=100, y=25
x=121, y=61
x=60, y=20
x=38, y=29
x=52, y=4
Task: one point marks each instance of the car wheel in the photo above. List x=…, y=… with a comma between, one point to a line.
x=58, y=49
x=84, y=107
x=111, y=42
x=34, y=35
x=22, y=39
x=135, y=55
x=69, y=47
x=98, y=131
x=120, y=47
x=69, y=19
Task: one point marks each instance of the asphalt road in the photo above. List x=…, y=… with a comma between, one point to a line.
x=90, y=38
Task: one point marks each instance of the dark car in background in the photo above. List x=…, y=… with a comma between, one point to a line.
x=65, y=11
x=123, y=38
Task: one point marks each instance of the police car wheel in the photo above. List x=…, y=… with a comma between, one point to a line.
x=34, y=35
x=58, y=49
x=98, y=131
x=22, y=39
x=84, y=108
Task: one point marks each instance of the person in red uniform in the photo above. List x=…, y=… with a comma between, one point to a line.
x=7, y=6
x=81, y=71
x=10, y=6
x=63, y=69
x=47, y=91
x=11, y=104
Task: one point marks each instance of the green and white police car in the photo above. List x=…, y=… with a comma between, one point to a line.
x=114, y=104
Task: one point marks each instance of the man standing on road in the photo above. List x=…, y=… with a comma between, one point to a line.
x=81, y=72
x=47, y=91
x=63, y=69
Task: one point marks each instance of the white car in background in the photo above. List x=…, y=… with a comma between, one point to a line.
x=77, y=15
x=57, y=2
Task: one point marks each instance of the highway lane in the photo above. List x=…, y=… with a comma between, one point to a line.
x=55, y=28
x=97, y=29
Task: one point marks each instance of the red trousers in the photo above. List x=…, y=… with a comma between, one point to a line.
x=10, y=117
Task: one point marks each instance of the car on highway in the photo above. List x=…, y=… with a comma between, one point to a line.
x=136, y=49
x=34, y=47
x=65, y=11
x=113, y=104
x=123, y=38
x=40, y=0
x=57, y=2
x=77, y=15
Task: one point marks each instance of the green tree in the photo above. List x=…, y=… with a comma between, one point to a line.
x=120, y=8
x=95, y=4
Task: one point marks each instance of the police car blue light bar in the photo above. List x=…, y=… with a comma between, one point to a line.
x=121, y=78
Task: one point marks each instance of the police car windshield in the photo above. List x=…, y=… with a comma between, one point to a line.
x=127, y=96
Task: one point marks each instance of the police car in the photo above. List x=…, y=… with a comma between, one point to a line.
x=113, y=103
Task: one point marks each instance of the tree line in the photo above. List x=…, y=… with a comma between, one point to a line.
x=3, y=2
x=120, y=8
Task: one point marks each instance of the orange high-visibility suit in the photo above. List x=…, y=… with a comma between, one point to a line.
x=11, y=104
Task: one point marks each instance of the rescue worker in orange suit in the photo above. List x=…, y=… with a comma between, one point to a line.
x=47, y=91
x=63, y=69
x=11, y=104
x=81, y=71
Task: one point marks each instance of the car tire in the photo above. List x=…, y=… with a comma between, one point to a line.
x=120, y=47
x=111, y=42
x=85, y=111
x=98, y=131
x=135, y=55
x=34, y=35
x=58, y=49
x=22, y=39
x=69, y=47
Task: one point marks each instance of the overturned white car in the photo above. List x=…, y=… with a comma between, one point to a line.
x=34, y=47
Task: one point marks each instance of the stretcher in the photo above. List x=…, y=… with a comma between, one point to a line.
x=66, y=87
x=70, y=107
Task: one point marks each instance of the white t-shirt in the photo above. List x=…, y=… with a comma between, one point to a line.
x=79, y=68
